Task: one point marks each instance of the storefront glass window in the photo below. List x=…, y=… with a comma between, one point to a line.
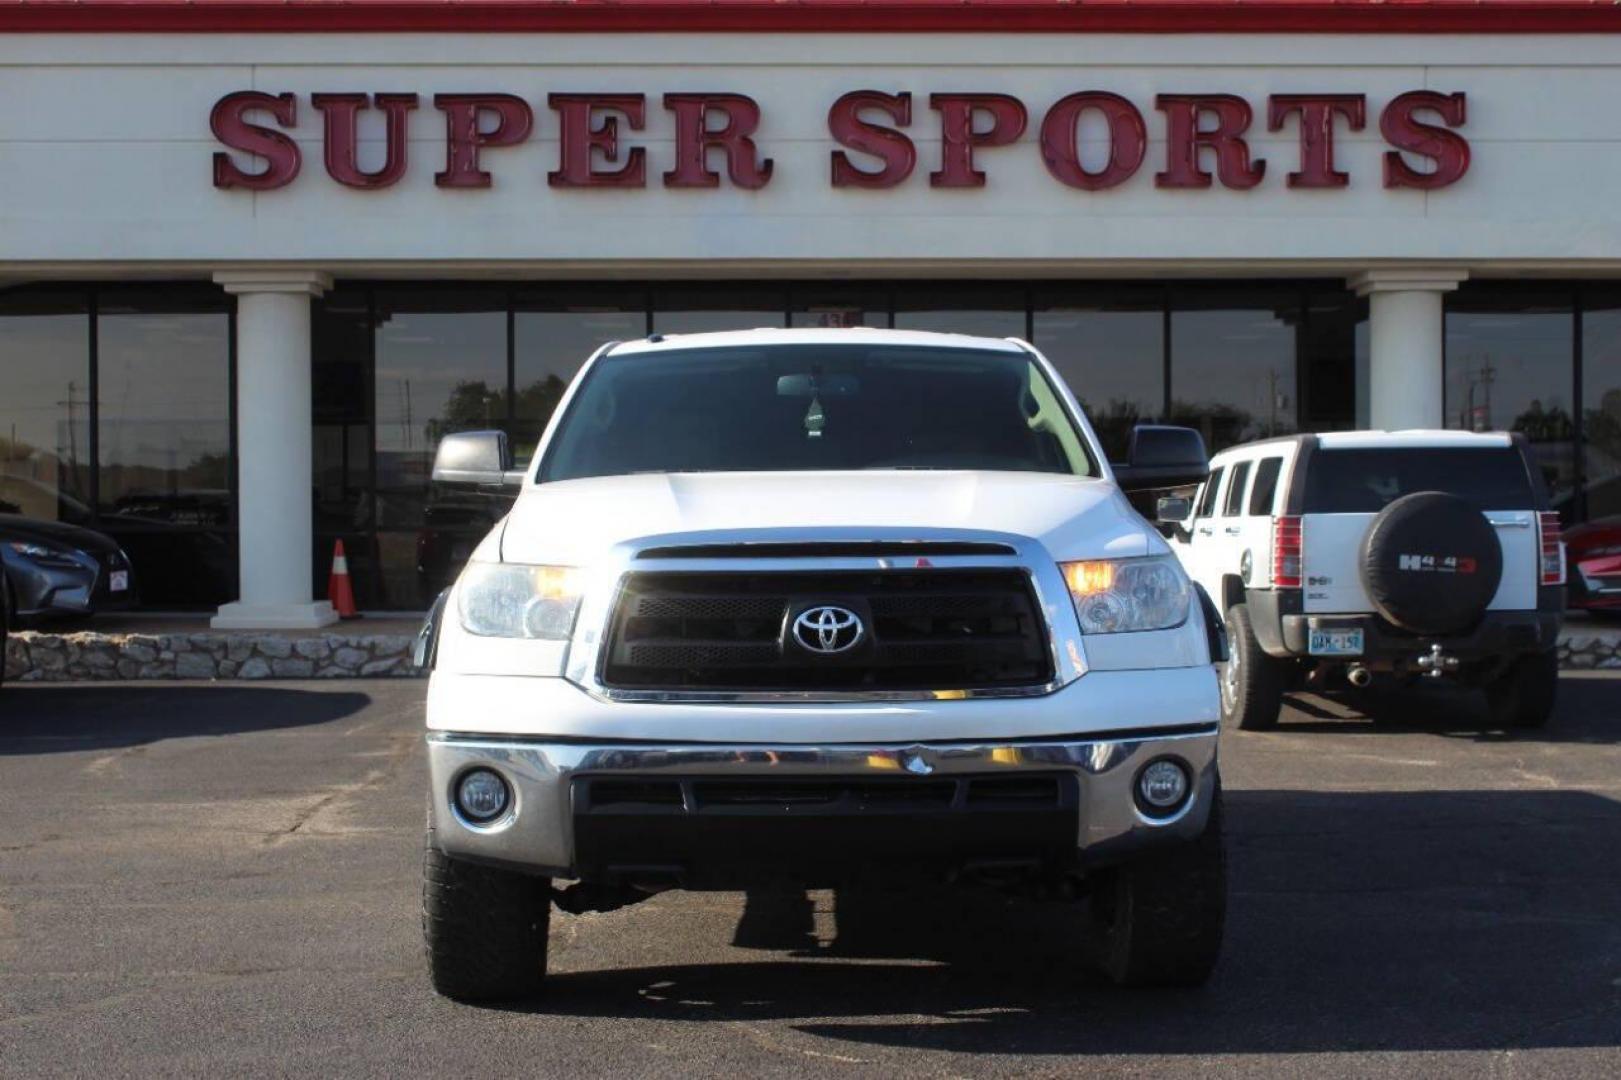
x=45, y=407
x=554, y=332
x=839, y=306
x=1364, y=372
x=1601, y=403
x=164, y=392
x=341, y=382
x=441, y=366
x=1509, y=367
x=1331, y=390
x=1233, y=363
x=949, y=309
x=701, y=311
x=1110, y=348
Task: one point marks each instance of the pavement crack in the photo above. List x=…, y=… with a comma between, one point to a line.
x=303, y=817
x=341, y=793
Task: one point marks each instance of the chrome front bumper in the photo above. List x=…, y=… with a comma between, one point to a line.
x=537, y=833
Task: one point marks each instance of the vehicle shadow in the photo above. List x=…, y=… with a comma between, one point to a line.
x=1358, y=921
x=52, y=718
x=1588, y=711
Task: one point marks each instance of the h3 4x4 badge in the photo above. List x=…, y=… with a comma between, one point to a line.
x=1437, y=564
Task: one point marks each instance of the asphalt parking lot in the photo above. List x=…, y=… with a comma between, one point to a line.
x=224, y=879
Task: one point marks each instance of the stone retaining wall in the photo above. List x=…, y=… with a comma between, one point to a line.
x=39, y=656
x=1585, y=648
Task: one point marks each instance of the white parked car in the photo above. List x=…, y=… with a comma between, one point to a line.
x=1373, y=554
x=820, y=607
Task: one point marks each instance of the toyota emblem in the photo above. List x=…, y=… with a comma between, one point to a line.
x=828, y=630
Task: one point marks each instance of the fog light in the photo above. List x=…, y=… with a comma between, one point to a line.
x=481, y=795
x=1163, y=786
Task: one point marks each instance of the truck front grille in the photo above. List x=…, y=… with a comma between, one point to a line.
x=935, y=628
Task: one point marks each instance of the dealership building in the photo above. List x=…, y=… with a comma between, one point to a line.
x=257, y=258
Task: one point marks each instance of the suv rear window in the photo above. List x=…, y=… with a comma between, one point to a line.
x=1235, y=490
x=1365, y=481
x=1207, y=498
x=1265, y=486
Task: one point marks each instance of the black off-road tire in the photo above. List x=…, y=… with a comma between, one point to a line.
x=1251, y=681
x=1524, y=695
x=485, y=928
x=1160, y=918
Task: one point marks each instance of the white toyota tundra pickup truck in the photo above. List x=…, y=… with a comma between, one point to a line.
x=821, y=608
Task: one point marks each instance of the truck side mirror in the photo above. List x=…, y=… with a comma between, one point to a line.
x=1162, y=456
x=1173, y=510
x=475, y=459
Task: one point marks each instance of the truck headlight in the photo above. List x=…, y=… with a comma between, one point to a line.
x=513, y=600
x=1114, y=596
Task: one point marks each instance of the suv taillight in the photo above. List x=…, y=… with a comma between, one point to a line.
x=1551, y=553
x=1286, y=552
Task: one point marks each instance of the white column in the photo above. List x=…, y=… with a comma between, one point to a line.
x=1406, y=333
x=275, y=478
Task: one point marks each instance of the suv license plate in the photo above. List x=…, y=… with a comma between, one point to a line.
x=1335, y=643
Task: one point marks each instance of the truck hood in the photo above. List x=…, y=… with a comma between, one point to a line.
x=575, y=522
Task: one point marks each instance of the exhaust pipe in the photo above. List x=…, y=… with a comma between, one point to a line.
x=1358, y=676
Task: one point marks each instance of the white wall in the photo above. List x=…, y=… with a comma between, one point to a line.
x=105, y=155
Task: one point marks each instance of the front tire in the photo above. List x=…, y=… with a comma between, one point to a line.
x=1161, y=917
x=1525, y=694
x=486, y=928
x=1251, y=681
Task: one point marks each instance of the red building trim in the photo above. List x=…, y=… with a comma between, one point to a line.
x=814, y=16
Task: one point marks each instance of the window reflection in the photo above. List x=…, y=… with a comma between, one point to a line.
x=1111, y=352
x=1509, y=367
x=45, y=407
x=1330, y=363
x=165, y=405
x=553, y=334
x=839, y=306
x=951, y=309
x=164, y=393
x=701, y=311
x=441, y=367
x=1601, y=403
x=342, y=335
x=1233, y=365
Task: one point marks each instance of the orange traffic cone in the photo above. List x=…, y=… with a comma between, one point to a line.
x=338, y=588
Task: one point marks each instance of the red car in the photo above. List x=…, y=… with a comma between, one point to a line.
x=1593, y=556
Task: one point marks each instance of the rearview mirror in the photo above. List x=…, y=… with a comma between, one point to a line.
x=1162, y=456
x=475, y=459
x=818, y=385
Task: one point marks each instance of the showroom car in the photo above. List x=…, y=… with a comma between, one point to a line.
x=54, y=570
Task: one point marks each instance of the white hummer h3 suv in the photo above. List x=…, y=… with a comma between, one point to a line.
x=1361, y=555
x=823, y=608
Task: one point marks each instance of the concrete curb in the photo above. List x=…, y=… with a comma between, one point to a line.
x=41, y=656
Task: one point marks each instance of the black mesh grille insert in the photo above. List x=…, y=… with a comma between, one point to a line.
x=933, y=628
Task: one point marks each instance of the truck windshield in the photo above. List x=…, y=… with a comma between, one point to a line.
x=820, y=406
x=1366, y=481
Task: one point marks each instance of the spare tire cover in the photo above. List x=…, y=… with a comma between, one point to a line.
x=1431, y=563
